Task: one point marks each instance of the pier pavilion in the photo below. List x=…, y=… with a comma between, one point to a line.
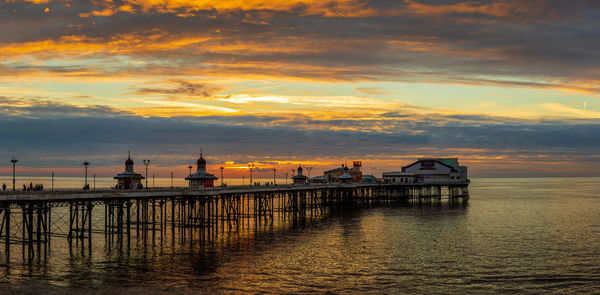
x=129, y=179
x=429, y=170
x=300, y=179
x=201, y=178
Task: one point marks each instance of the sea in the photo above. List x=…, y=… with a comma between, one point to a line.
x=513, y=236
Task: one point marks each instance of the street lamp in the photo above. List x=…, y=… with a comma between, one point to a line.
x=190, y=182
x=221, y=176
x=85, y=164
x=309, y=168
x=171, y=179
x=14, y=161
x=251, y=165
x=146, y=163
x=94, y=181
x=152, y=181
x=274, y=181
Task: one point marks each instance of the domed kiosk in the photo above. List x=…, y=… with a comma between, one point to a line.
x=299, y=179
x=128, y=179
x=201, y=178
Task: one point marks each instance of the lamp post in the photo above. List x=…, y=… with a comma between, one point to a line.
x=190, y=182
x=85, y=164
x=52, y=187
x=286, y=177
x=152, y=181
x=94, y=181
x=274, y=181
x=309, y=168
x=243, y=179
x=251, y=165
x=171, y=179
x=221, y=176
x=146, y=163
x=14, y=161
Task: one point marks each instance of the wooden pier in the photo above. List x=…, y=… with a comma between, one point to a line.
x=32, y=220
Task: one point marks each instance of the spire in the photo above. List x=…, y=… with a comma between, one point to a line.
x=201, y=163
x=129, y=162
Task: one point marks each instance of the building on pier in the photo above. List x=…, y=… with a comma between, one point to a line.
x=429, y=170
x=369, y=179
x=299, y=179
x=201, y=178
x=129, y=179
x=333, y=175
x=345, y=178
x=317, y=180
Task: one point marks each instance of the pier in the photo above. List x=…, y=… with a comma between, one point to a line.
x=31, y=221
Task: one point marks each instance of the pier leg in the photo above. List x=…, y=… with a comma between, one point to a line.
x=7, y=238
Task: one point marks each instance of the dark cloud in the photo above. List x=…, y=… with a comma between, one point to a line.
x=57, y=140
x=31, y=108
x=181, y=88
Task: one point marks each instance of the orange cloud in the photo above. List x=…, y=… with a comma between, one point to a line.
x=496, y=9
x=317, y=7
x=80, y=45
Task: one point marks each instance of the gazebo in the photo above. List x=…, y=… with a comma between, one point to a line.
x=299, y=178
x=201, y=178
x=128, y=179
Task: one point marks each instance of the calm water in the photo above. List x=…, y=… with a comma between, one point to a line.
x=514, y=236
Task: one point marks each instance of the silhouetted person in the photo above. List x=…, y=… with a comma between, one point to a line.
x=4, y=186
x=24, y=187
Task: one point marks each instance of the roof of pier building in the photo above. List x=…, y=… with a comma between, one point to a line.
x=430, y=165
x=346, y=175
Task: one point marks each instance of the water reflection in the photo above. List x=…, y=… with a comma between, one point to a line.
x=288, y=255
x=512, y=237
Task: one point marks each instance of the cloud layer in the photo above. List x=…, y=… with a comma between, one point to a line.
x=287, y=81
x=540, y=43
x=64, y=139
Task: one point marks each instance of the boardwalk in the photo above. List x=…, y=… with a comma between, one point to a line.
x=33, y=219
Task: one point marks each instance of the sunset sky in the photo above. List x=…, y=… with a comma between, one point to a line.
x=511, y=88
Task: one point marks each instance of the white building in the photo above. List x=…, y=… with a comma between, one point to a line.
x=429, y=170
